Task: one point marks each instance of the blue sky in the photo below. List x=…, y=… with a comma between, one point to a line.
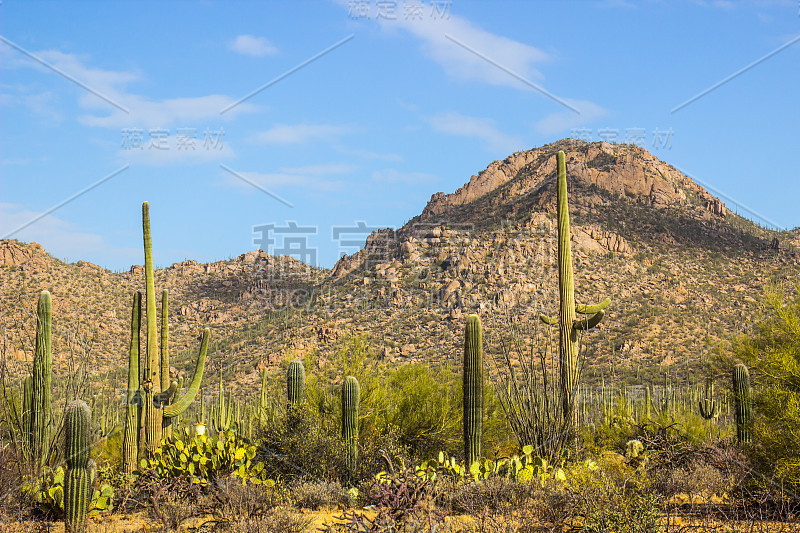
x=359, y=111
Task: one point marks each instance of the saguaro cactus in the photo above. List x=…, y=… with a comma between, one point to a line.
x=295, y=381
x=741, y=391
x=569, y=326
x=79, y=476
x=42, y=377
x=151, y=383
x=351, y=396
x=473, y=389
x=133, y=403
x=709, y=408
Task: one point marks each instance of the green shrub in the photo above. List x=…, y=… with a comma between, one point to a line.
x=772, y=352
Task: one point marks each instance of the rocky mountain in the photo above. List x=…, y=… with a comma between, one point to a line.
x=684, y=273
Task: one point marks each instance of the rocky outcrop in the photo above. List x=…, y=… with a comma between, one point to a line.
x=624, y=171
x=24, y=256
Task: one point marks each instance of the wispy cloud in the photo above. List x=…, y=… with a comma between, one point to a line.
x=131, y=110
x=172, y=154
x=458, y=62
x=559, y=122
x=391, y=175
x=62, y=239
x=45, y=104
x=300, y=133
x=367, y=154
x=483, y=129
x=252, y=46
x=310, y=177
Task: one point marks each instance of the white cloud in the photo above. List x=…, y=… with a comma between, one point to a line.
x=62, y=239
x=463, y=64
x=252, y=46
x=310, y=177
x=367, y=154
x=320, y=170
x=109, y=103
x=172, y=155
x=299, y=133
x=483, y=129
x=391, y=175
x=561, y=121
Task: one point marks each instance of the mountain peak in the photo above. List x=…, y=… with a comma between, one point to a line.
x=519, y=181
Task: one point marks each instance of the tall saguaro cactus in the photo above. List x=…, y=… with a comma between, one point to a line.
x=351, y=396
x=295, y=381
x=130, y=447
x=741, y=391
x=42, y=377
x=473, y=389
x=150, y=386
x=79, y=476
x=569, y=326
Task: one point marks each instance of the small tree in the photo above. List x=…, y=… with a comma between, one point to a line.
x=772, y=352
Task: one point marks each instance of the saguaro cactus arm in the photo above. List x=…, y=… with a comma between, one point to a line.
x=588, y=323
x=179, y=406
x=585, y=309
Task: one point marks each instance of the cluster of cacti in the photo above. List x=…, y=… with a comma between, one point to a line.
x=473, y=389
x=224, y=411
x=81, y=470
x=351, y=396
x=741, y=395
x=152, y=402
x=569, y=326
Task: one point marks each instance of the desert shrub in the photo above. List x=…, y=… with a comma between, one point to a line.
x=405, y=501
x=237, y=501
x=170, y=500
x=277, y=520
x=611, y=496
x=772, y=352
x=305, y=444
x=495, y=494
x=301, y=444
x=319, y=495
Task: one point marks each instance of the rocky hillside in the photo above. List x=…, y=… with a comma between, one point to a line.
x=683, y=273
